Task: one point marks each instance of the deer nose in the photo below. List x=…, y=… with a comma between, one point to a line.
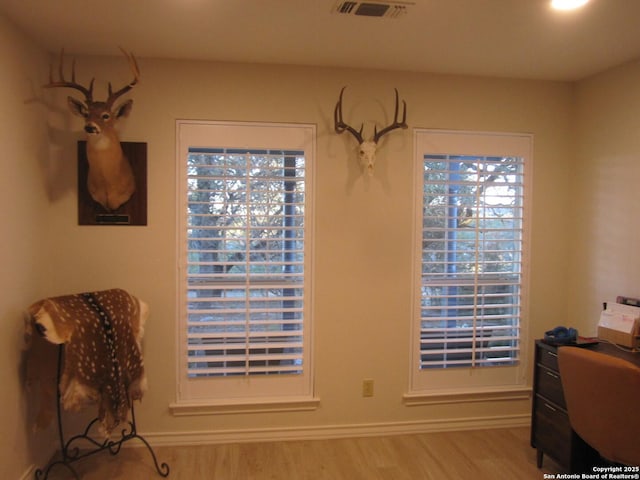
x=90, y=128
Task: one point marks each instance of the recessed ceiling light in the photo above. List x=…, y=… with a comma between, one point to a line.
x=567, y=4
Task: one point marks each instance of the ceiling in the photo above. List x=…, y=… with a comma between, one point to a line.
x=500, y=38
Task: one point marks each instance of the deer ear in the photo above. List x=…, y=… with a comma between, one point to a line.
x=77, y=107
x=125, y=109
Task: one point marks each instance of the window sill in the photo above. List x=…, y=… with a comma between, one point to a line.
x=468, y=396
x=247, y=406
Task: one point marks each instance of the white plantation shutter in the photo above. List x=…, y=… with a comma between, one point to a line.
x=470, y=288
x=471, y=265
x=245, y=263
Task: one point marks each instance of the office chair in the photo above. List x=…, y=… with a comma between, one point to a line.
x=602, y=394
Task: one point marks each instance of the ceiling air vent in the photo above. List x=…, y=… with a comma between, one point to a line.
x=373, y=8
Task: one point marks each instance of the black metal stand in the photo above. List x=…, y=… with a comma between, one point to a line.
x=72, y=452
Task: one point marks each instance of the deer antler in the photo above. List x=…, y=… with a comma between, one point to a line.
x=340, y=126
x=377, y=135
x=87, y=92
x=113, y=96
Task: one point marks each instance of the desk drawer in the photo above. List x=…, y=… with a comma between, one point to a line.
x=552, y=431
x=548, y=358
x=550, y=385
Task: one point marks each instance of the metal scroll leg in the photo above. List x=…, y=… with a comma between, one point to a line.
x=163, y=468
x=70, y=452
x=65, y=461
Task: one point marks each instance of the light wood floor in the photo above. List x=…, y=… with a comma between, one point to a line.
x=476, y=455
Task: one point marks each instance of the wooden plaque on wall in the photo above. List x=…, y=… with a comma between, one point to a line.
x=134, y=211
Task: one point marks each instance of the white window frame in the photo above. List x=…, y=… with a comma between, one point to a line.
x=467, y=382
x=196, y=395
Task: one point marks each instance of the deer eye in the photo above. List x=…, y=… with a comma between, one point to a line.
x=106, y=116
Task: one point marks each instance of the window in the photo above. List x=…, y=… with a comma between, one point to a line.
x=471, y=249
x=245, y=239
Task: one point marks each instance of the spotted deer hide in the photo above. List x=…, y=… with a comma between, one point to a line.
x=102, y=333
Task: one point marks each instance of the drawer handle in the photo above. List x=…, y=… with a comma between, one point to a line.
x=550, y=407
x=553, y=375
x=553, y=354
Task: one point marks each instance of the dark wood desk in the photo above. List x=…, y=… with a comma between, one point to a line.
x=551, y=432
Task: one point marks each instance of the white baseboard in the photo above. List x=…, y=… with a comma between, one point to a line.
x=331, y=431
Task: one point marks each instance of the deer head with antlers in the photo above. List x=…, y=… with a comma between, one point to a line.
x=110, y=179
x=367, y=151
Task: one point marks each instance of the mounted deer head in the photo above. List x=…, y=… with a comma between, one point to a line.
x=367, y=151
x=110, y=179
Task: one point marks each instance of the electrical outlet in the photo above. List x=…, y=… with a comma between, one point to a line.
x=367, y=388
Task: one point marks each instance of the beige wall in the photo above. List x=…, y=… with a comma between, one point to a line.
x=605, y=198
x=25, y=264
x=363, y=239
x=364, y=225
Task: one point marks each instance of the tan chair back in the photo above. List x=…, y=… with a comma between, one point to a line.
x=602, y=393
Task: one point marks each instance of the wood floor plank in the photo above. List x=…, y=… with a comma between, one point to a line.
x=480, y=454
